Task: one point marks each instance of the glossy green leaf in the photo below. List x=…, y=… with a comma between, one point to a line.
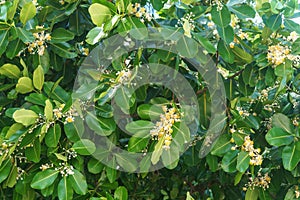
x=61, y=35
x=3, y=41
x=291, y=156
x=140, y=127
x=229, y=161
x=278, y=137
x=187, y=47
x=243, y=160
x=221, y=17
x=33, y=153
x=252, y=194
x=44, y=179
x=53, y=135
x=84, y=147
x=222, y=146
x=24, y=35
x=5, y=169
x=282, y=121
x=64, y=189
x=121, y=193
x=243, y=11
x=78, y=182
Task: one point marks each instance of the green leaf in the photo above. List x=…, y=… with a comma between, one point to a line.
x=138, y=142
x=48, y=110
x=243, y=11
x=212, y=162
x=95, y=166
x=290, y=25
x=63, y=49
x=38, y=78
x=12, y=178
x=84, y=147
x=222, y=146
x=126, y=162
x=138, y=29
x=227, y=33
x=187, y=47
x=205, y=43
x=284, y=69
x=273, y=22
x=252, y=194
x=25, y=117
x=33, y=153
x=5, y=169
x=24, y=35
x=282, y=121
x=225, y=51
x=238, y=178
x=243, y=160
x=242, y=55
x=158, y=150
x=189, y=196
x=61, y=35
x=3, y=41
x=53, y=135
x=229, y=161
x=278, y=137
x=95, y=35
x=10, y=71
x=222, y=17
x=78, y=182
x=44, y=179
x=140, y=127
x=28, y=11
x=74, y=130
x=64, y=189
x=121, y=193
x=24, y=85
x=99, y=13
x=147, y=111
x=291, y=156
x=13, y=130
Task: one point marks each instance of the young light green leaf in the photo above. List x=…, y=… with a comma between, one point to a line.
x=10, y=71
x=99, y=13
x=38, y=77
x=121, y=193
x=25, y=117
x=24, y=85
x=48, y=110
x=28, y=11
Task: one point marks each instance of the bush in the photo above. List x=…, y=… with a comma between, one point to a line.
x=149, y=100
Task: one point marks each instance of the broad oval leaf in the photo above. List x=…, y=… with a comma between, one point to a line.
x=24, y=85
x=78, y=182
x=84, y=147
x=278, y=137
x=64, y=189
x=28, y=11
x=121, y=193
x=44, y=179
x=221, y=17
x=53, y=135
x=291, y=156
x=10, y=71
x=243, y=160
x=99, y=13
x=25, y=117
x=38, y=77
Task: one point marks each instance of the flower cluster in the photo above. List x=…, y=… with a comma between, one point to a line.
x=39, y=44
x=140, y=12
x=188, y=20
x=297, y=192
x=292, y=37
x=65, y=170
x=46, y=166
x=277, y=54
x=243, y=35
x=70, y=153
x=124, y=76
x=163, y=128
x=242, y=112
x=261, y=181
x=256, y=158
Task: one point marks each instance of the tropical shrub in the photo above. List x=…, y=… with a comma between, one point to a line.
x=149, y=99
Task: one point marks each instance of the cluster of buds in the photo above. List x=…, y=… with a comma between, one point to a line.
x=234, y=21
x=271, y=107
x=218, y=3
x=70, y=153
x=65, y=170
x=293, y=36
x=277, y=54
x=20, y=173
x=261, y=181
x=256, y=158
x=46, y=166
x=187, y=20
x=163, y=128
x=140, y=12
x=4, y=148
x=242, y=35
x=124, y=76
x=296, y=121
x=243, y=112
x=39, y=44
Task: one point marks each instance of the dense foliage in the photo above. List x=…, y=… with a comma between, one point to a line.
x=83, y=137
